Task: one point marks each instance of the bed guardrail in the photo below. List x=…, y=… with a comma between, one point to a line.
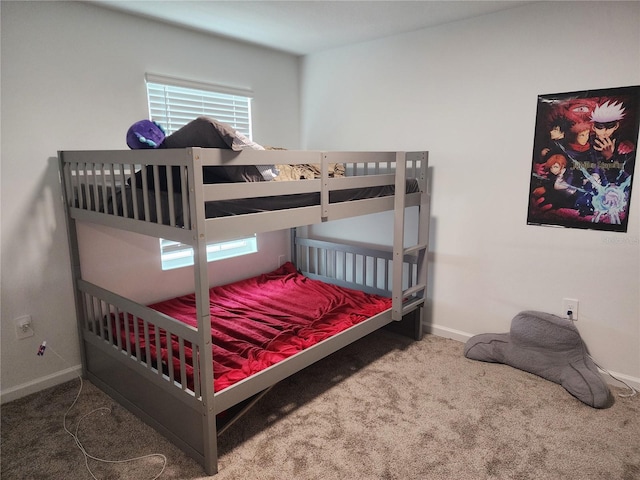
x=352, y=266
x=99, y=186
x=114, y=323
x=368, y=269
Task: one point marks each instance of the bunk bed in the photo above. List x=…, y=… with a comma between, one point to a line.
x=161, y=366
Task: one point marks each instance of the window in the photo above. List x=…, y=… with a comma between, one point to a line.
x=173, y=103
x=176, y=255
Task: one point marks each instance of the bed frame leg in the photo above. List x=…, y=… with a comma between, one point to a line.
x=410, y=326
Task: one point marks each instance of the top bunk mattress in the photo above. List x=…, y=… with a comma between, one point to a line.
x=241, y=206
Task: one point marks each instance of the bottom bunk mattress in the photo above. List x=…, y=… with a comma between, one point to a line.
x=257, y=322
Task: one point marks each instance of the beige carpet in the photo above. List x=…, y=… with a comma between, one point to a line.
x=384, y=408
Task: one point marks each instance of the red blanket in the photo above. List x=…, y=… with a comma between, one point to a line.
x=259, y=321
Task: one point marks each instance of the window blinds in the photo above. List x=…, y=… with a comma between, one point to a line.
x=173, y=106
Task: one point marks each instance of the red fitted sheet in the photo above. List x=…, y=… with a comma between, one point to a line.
x=259, y=321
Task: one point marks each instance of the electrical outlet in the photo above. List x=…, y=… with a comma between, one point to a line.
x=24, y=327
x=280, y=259
x=570, y=308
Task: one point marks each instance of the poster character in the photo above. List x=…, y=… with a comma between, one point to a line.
x=613, y=155
x=554, y=191
x=559, y=127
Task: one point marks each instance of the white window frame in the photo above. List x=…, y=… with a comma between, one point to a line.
x=175, y=102
x=178, y=255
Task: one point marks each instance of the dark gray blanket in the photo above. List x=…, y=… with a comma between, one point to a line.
x=207, y=133
x=548, y=346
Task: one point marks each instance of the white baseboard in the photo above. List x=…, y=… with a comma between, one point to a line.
x=629, y=380
x=445, y=332
x=460, y=336
x=39, y=384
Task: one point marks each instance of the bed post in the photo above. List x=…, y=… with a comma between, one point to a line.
x=405, y=301
x=398, y=235
x=201, y=278
x=423, y=238
x=74, y=254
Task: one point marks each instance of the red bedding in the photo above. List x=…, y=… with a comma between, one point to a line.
x=259, y=321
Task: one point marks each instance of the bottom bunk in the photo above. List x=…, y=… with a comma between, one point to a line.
x=255, y=323
x=263, y=329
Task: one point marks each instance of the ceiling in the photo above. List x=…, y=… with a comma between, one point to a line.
x=308, y=26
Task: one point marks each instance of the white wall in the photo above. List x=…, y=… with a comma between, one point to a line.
x=467, y=92
x=73, y=78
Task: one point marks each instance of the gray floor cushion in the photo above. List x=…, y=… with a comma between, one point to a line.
x=548, y=346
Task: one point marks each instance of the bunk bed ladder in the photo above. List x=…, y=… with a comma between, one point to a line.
x=407, y=300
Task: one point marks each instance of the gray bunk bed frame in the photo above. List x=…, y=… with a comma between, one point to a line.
x=188, y=416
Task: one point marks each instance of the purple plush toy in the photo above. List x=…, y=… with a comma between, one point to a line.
x=145, y=134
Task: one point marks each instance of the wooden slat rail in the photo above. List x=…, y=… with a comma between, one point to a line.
x=337, y=263
x=104, y=310
x=96, y=189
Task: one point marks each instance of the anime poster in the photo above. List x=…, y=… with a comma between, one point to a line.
x=584, y=155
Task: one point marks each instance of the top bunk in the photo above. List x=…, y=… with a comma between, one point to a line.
x=172, y=193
